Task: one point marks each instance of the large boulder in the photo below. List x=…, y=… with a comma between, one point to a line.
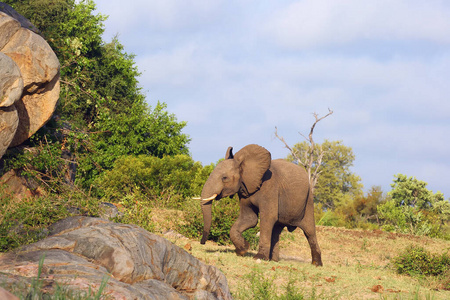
x=29, y=78
x=11, y=82
x=82, y=251
x=9, y=120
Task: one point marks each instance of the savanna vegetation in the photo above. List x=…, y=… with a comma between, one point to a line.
x=106, y=144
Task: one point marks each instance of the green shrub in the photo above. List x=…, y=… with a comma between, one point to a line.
x=410, y=220
x=163, y=182
x=330, y=218
x=40, y=162
x=137, y=213
x=24, y=221
x=258, y=286
x=416, y=261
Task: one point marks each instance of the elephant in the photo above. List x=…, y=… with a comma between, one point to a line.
x=276, y=190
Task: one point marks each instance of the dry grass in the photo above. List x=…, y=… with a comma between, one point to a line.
x=356, y=265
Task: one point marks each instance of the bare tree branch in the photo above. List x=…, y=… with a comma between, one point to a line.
x=309, y=157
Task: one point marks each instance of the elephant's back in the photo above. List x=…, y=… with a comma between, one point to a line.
x=290, y=173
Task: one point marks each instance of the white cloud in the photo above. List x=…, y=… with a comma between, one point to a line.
x=315, y=23
x=160, y=14
x=235, y=70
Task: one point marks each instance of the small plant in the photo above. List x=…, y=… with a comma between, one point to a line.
x=292, y=292
x=416, y=261
x=259, y=286
x=364, y=244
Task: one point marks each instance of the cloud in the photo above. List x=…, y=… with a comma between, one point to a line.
x=236, y=69
x=318, y=23
x=160, y=15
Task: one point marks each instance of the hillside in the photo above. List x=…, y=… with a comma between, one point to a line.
x=356, y=265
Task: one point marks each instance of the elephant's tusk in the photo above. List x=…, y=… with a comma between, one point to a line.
x=197, y=198
x=210, y=198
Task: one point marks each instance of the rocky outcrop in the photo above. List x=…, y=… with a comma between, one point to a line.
x=83, y=251
x=20, y=187
x=29, y=79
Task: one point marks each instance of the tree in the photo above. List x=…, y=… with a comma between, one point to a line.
x=414, y=209
x=102, y=113
x=328, y=167
x=361, y=211
x=336, y=184
x=311, y=157
x=409, y=191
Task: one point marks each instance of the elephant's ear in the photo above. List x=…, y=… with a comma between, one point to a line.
x=229, y=154
x=254, y=161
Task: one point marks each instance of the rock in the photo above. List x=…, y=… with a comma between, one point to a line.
x=82, y=251
x=19, y=187
x=35, y=110
x=36, y=60
x=109, y=211
x=29, y=78
x=11, y=82
x=8, y=27
x=9, y=121
x=172, y=234
x=5, y=295
x=24, y=22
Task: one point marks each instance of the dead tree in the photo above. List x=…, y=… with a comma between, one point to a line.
x=311, y=160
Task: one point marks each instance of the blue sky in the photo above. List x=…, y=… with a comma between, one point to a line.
x=236, y=69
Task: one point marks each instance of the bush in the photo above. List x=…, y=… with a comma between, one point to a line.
x=330, y=218
x=416, y=261
x=259, y=286
x=25, y=221
x=409, y=220
x=164, y=182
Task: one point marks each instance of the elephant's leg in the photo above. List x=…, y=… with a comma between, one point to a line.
x=275, y=247
x=248, y=218
x=267, y=224
x=314, y=245
x=308, y=226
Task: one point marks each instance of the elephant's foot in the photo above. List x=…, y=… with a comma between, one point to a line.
x=275, y=257
x=317, y=263
x=242, y=250
x=261, y=256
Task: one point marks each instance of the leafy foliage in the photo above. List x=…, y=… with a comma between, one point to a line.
x=416, y=261
x=259, y=286
x=415, y=209
x=164, y=182
x=336, y=181
x=102, y=113
x=24, y=221
x=361, y=211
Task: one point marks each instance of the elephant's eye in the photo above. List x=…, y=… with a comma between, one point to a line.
x=225, y=178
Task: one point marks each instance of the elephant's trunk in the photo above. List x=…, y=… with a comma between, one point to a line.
x=208, y=195
x=207, y=216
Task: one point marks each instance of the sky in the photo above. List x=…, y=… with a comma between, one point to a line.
x=235, y=70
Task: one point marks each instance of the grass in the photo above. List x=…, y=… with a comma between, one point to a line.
x=357, y=265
